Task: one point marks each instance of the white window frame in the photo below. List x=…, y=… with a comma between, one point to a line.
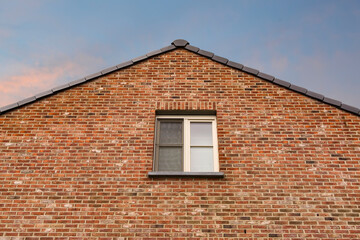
x=187, y=119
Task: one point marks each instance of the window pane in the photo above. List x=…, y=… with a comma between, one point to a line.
x=170, y=159
x=201, y=159
x=171, y=132
x=201, y=134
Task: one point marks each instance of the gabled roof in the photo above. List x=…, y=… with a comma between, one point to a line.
x=180, y=43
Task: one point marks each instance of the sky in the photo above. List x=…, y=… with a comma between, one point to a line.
x=314, y=44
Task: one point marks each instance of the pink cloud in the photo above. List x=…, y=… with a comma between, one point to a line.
x=30, y=80
x=33, y=78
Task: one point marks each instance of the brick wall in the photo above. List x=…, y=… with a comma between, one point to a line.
x=75, y=164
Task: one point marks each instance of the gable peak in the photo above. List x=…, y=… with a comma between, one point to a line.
x=180, y=43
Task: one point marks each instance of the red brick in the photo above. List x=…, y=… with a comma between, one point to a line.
x=75, y=164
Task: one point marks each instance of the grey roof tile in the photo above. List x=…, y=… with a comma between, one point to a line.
x=315, y=95
x=168, y=48
x=183, y=43
x=26, y=100
x=94, y=75
x=250, y=70
x=235, y=65
x=8, y=107
x=282, y=83
x=266, y=76
x=109, y=70
x=192, y=48
x=138, y=59
x=205, y=53
x=332, y=101
x=61, y=87
x=76, y=82
x=220, y=59
x=180, y=43
x=350, y=108
x=124, y=64
x=44, y=94
x=153, y=53
x=298, y=89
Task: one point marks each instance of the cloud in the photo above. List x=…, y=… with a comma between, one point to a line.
x=332, y=74
x=32, y=79
x=279, y=64
x=4, y=33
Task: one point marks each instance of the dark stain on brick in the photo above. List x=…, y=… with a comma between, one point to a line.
x=230, y=235
x=228, y=226
x=274, y=235
x=13, y=197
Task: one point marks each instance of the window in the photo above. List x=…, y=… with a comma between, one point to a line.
x=186, y=144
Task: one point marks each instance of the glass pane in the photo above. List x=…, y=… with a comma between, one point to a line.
x=200, y=134
x=170, y=159
x=171, y=132
x=201, y=159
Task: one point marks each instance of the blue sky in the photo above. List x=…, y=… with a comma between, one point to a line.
x=310, y=43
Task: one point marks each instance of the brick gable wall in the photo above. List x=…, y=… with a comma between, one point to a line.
x=75, y=164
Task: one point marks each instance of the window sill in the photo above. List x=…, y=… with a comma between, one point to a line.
x=186, y=174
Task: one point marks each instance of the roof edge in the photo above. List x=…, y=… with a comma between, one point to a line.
x=181, y=43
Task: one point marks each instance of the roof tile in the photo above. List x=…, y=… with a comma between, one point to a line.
x=350, y=108
x=8, y=107
x=180, y=43
x=250, y=70
x=76, y=82
x=192, y=48
x=124, y=64
x=282, y=83
x=26, y=100
x=186, y=45
x=220, y=59
x=205, y=53
x=94, y=75
x=315, y=95
x=44, y=94
x=138, y=59
x=153, y=53
x=108, y=70
x=332, y=101
x=168, y=48
x=266, y=76
x=298, y=89
x=61, y=87
x=235, y=65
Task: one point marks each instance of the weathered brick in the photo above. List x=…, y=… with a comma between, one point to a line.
x=75, y=164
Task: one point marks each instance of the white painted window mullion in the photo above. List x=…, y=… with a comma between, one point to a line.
x=215, y=146
x=186, y=145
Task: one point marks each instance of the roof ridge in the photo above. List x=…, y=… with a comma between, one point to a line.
x=181, y=43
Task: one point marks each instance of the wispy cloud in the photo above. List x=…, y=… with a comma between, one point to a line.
x=279, y=64
x=29, y=79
